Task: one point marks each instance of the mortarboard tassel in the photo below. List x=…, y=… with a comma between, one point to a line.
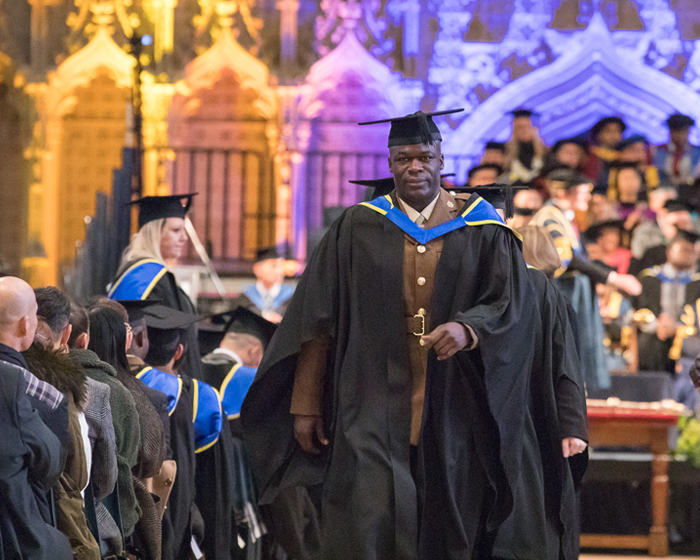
x=425, y=136
x=508, y=194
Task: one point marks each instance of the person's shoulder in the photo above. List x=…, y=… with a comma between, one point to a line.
x=11, y=376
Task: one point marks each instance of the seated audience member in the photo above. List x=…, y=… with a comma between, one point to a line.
x=604, y=136
x=49, y=362
x=648, y=234
x=570, y=152
x=624, y=191
x=494, y=154
x=109, y=339
x=677, y=216
x=269, y=296
x=605, y=244
x=525, y=149
x=599, y=207
x=125, y=420
x=635, y=149
x=526, y=204
x=31, y=455
x=667, y=306
x=484, y=174
x=678, y=161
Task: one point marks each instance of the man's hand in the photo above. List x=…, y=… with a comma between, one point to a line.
x=627, y=283
x=447, y=339
x=571, y=446
x=308, y=430
x=665, y=327
x=272, y=316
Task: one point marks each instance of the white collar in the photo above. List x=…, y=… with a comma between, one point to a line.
x=229, y=353
x=271, y=293
x=413, y=214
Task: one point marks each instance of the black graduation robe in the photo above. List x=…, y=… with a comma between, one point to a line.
x=543, y=524
x=469, y=452
x=165, y=289
x=653, y=353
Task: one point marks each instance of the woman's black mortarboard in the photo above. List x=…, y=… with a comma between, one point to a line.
x=244, y=321
x=491, y=145
x=159, y=207
x=382, y=187
x=416, y=128
x=627, y=142
x=500, y=196
x=135, y=307
x=679, y=122
x=687, y=235
x=268, y=253
x=595, y=230
x=673, y=205
x=602, y=123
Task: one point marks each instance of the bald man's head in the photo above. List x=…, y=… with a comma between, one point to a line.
x=18, y=320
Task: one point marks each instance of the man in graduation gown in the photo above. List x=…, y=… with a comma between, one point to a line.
x=404, y=359
x=668, y=307
x=269, y=296
x=678, y=161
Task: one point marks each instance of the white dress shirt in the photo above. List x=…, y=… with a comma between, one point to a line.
x=418, y=218
x=230, y=354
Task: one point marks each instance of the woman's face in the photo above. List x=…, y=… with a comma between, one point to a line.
x=609, y=241
x=173, y=240
x=628, y=184
x=570, y=154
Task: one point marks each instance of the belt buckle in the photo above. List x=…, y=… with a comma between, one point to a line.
x=422, y=324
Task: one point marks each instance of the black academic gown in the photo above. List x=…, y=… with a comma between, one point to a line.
x=469, y=453
x=653, y=353
x=543, y=524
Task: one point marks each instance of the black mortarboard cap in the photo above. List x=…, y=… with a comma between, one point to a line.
x=690, y=236
x=382, y=187
x=679, y=122
x=166, y=318
x=135, y=307
x=158, y=207
x=500, y=196
x=600, y=188
x=602, y=123
x=268, y=253
x=522, y=113
x=627, y=142
x=673, y=205
x=595, y=230
x=580, y=142
x=491, y=145
x=416, y=128
x=497, y=168
x=244, y=321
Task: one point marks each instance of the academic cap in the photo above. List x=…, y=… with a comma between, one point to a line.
x=687, y=235
x=522, y=113
x=627, y=142
x=383, y=187
x=491, y=145
x=135, y=307
x=602, y=123
x=268, y=253
x=500, y=196
x=416, y=128
x=165, y=318
x=158, y=207
x=673, y=205
x=595, y=230
x=244, y=321
x=679, y=122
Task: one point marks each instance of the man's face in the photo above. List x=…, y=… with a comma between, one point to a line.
x=523, y=131
x=680, y=137
x=483, y=177
x=610, y=135
x=682, y=255
x=580, y=196
x=269, y=271
x=497, y=157
x=609, y=240
x=416, y=169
